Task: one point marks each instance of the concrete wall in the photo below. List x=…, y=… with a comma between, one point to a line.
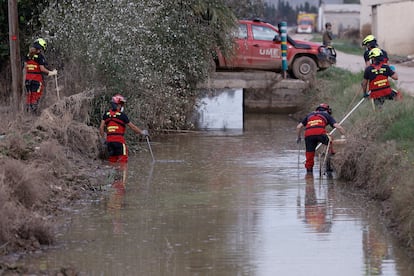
x=342, y=21
x=395, y=27
x=391, y=24
x=287, y=96
x=366, y=12
x=366, y=9
x=342, y=17
x=263, y=91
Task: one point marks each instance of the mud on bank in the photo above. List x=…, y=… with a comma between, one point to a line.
x=382, y=169
x=47, y=162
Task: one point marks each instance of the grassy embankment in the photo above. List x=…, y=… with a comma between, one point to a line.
x=378, y=157
x=47, y=162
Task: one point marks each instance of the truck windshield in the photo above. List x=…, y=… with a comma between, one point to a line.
x=263, y=33
x=305, y=22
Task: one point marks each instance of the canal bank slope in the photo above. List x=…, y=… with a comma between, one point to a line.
x=378, y=158
x=47, y=163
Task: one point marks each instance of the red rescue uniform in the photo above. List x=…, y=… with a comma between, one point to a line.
x=377, y=76
x=115, y=123
x=34, y=79
x=315, y=132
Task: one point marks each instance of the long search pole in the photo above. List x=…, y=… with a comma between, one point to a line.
x=346, y=117
x=57, y=88
x=150, y=149
x=323, y=165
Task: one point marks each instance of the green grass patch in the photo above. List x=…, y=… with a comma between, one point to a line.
x=348, y=47
x=342, y=91
x=340, y=88
x=379, y=154
x=400, y=124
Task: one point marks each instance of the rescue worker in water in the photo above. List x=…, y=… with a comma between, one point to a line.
x=315, y=132
x=113, y=127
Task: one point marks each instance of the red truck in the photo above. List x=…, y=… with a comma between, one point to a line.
x=258, y=46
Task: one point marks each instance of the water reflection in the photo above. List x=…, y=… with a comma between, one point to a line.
x=316, y=207
x=115, y=200
x=237, y=205
x=376, y=250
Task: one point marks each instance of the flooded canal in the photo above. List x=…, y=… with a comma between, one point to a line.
x=226, y=203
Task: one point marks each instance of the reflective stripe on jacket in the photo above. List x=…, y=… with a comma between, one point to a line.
x=115, y=127
x=380, y=85
x=316, y=123
x=33, y=71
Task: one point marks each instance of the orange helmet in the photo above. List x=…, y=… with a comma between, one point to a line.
x=324, y=107
x=118, y=99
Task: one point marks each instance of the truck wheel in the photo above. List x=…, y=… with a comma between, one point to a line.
x=304, y=68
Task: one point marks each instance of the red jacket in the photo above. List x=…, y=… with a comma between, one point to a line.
x=115, y=126
x=316, y=122
x=33, y=71
x=378, y=80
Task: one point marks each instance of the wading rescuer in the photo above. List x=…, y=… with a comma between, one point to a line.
x=370, y=42
x=315, y=133
x=375, y=83
x=113, y=126
x=35, y=66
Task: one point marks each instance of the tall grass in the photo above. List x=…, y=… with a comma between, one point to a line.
x=402, y=129
x=341, y=90
x=379, y=155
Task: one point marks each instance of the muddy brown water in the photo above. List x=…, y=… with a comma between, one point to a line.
x=225, y=203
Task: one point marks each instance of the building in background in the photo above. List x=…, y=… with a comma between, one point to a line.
x=315, y=3
x=345, y=18
x=390, y=22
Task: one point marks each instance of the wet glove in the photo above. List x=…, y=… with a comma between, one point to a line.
x=53, y=73
x=298, y=140
x=144, y=132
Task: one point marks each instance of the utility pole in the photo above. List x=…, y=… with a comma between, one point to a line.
x=15, y=61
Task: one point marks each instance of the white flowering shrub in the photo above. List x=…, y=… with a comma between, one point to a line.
x=152, y=51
